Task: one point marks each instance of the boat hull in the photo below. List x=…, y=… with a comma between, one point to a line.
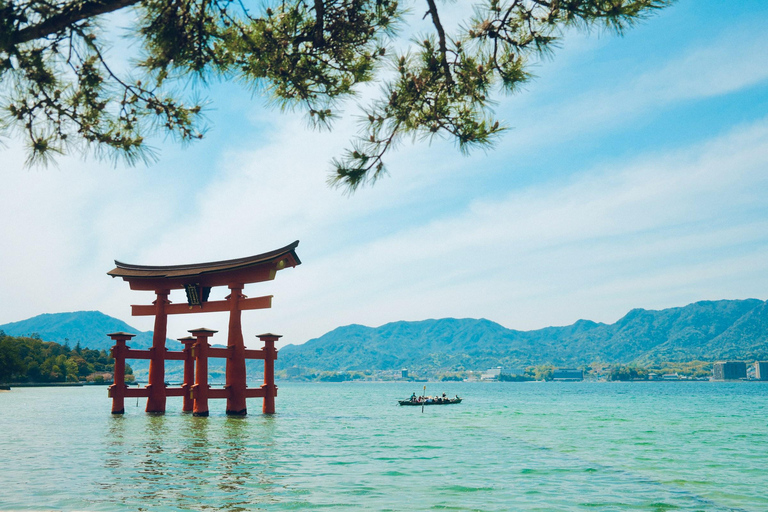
x=442, y=402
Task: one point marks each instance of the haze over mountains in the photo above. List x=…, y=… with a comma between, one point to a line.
x=707, y=330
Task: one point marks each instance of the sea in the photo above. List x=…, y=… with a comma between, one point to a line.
x=534, y=446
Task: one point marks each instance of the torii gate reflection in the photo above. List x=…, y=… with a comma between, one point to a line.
x=197, y=280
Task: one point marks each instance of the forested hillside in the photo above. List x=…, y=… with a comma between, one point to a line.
x=707, y=330
x=34, y=360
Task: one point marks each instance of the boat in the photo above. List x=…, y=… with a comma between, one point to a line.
x=431, y=401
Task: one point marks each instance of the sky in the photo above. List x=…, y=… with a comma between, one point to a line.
x=634, y=175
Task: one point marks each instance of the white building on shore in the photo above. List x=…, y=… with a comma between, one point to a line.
x=495, y=373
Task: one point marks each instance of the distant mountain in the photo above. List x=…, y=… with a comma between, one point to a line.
x=725, y=329
x=707, y=330
x=89, y=328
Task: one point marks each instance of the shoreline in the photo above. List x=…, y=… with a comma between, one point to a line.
x=42, y=385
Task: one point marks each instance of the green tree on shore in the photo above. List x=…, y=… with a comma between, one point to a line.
x=33, y=360
x=61, y=92
x=628, y=372
x=543, y=372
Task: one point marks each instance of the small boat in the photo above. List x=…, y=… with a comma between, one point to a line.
x=431, y=401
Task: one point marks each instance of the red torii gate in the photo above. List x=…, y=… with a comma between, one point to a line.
x=197, y=280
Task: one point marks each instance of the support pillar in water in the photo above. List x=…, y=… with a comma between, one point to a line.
x=189, y=373
x=270, y=354
x=201, y=387
x=118, y=387
x=236, y=375
x=156, y=385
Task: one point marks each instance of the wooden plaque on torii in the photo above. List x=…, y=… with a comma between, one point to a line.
x=197, y=280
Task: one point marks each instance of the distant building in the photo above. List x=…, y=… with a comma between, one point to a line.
x=404, y=373
x=761, y=370
x=729, y=370
x=671, y=376
x=495, y=373
x=567, y=374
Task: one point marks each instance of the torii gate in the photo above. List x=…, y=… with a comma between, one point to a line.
x=197, y=280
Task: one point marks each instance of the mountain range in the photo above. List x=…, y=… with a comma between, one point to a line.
x=89, y=328
x=706, y=330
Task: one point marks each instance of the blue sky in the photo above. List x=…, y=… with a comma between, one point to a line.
x=634, y=174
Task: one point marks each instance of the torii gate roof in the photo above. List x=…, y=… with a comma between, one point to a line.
x=251, y=269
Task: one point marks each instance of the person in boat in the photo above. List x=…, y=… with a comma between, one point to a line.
x=413, y=397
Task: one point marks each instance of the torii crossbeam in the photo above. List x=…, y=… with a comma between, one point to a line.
x=197, y=280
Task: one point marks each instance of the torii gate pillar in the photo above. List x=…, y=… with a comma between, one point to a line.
x=269, y=388
x=189, y=373
x=201, y=389
x=235, y=373
x=118, y=387
x=156, y=385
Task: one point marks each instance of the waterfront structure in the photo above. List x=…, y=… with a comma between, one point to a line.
x=491, y=373
x=567, y=375
x=495, y=373
x=761, y=370
x=404, y=373
x=197, y=280
x=729, y=370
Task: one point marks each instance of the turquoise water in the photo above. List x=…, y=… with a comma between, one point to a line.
x=509, y=446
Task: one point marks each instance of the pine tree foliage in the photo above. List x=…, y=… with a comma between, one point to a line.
x=60, y=92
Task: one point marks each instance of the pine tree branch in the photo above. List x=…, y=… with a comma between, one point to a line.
x=441, y=41
x=67, y=17
x=319, y=41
